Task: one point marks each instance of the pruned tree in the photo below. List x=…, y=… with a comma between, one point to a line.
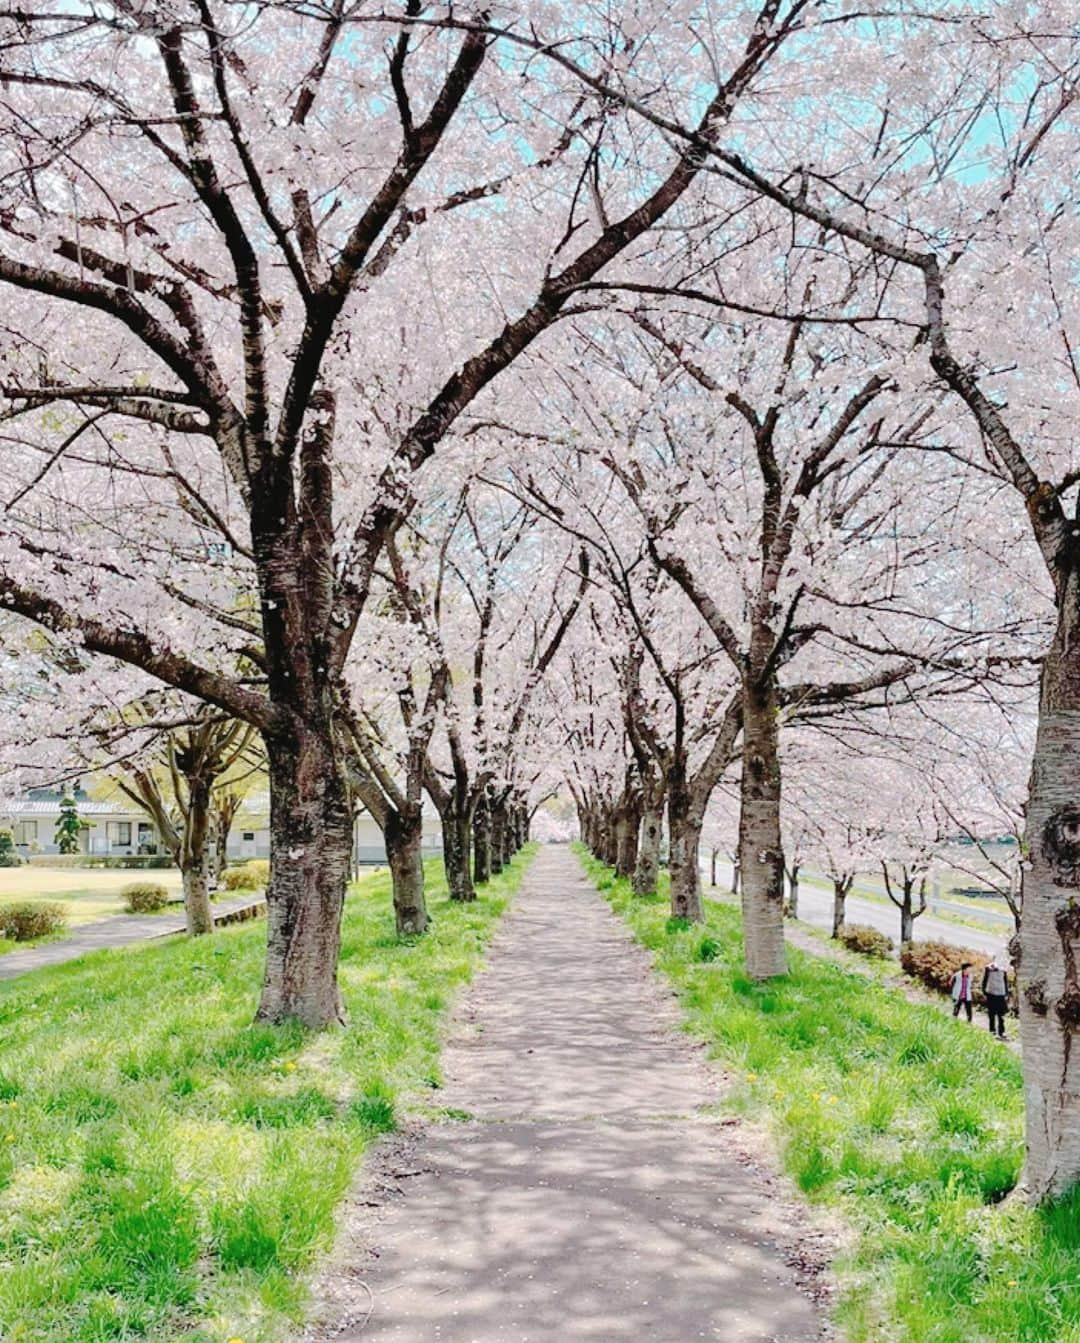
x=182, y=780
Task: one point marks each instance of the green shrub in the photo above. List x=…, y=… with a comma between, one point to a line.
x=708, y=949
x=27, y=919
x=935, y=964
x=866, y=940
x=144, y=897
x=9, y=856
x=248, y=876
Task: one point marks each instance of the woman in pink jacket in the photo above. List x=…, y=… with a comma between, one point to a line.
x=962, y=990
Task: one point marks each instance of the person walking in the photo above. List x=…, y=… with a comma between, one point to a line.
x=962, y=991
x=995, y=987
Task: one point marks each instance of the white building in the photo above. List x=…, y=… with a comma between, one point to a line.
x=109, y=827
x=117, y=827
x=369, y=849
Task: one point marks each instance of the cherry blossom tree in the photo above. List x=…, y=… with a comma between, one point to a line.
x=991, y=232
x=214, y=221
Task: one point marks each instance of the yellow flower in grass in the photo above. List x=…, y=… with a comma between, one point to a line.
x=815, y=1095
x=10, y=1138
x=290, y=1067
x=751, y=1077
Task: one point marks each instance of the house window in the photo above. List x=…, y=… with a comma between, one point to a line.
x=119, y=833
x=26, y=832
x=248, y=836
x=147, y=838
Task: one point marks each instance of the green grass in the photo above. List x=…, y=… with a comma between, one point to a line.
x=169, y=1170
x=87, y=894
x=905, y=1121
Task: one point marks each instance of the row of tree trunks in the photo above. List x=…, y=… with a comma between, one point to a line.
x=499, y=830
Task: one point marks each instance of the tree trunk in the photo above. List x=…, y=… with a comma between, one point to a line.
x=761, y=853
x=482, y=842
x=1046, y=953
x=310, y=842
x=841, y=886
x=712, y=867
x=221, y=850
x=629, y=830
x=404, y=835
x=648, y=854
x=456, y=835
x=603, y=835
x=198, y=914
x=907, y=919
x=196, y=856
x=793, y=891
x=498, y=838
x=735, y=874
x=509, y=844
x=684, y=828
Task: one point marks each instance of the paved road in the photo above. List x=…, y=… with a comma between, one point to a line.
x=587, y=1194
x=119, y=931
x=815, y=907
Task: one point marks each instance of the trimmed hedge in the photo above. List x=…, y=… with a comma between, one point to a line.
x=250, y=876
x=135, y=861
x=935, y=963
x=144, y=897
x=866, y=940
x=27, y=919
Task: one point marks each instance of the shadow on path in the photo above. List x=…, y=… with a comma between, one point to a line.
x=589, y=1194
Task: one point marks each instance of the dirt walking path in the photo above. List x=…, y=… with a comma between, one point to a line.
x=586, y=1189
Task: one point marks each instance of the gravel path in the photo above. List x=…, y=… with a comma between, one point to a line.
x=586, y=1189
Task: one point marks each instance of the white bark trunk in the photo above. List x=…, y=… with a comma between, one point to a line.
x=761, y=853
x=1049, y=947
x=648, y=856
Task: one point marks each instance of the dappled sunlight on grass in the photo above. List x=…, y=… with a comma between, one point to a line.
x=168, y=1168
x=908, y=1122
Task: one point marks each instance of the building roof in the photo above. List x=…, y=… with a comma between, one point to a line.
x=35, y=807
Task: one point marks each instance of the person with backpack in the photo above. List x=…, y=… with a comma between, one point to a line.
x=962, y=990
x=995, y=987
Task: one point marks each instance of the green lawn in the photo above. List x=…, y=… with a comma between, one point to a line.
x=167, y=1169
x=906, y=1121
x=87, y=894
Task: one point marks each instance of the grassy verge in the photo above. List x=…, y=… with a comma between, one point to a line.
x=169, y=1170
x=904, y=1120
